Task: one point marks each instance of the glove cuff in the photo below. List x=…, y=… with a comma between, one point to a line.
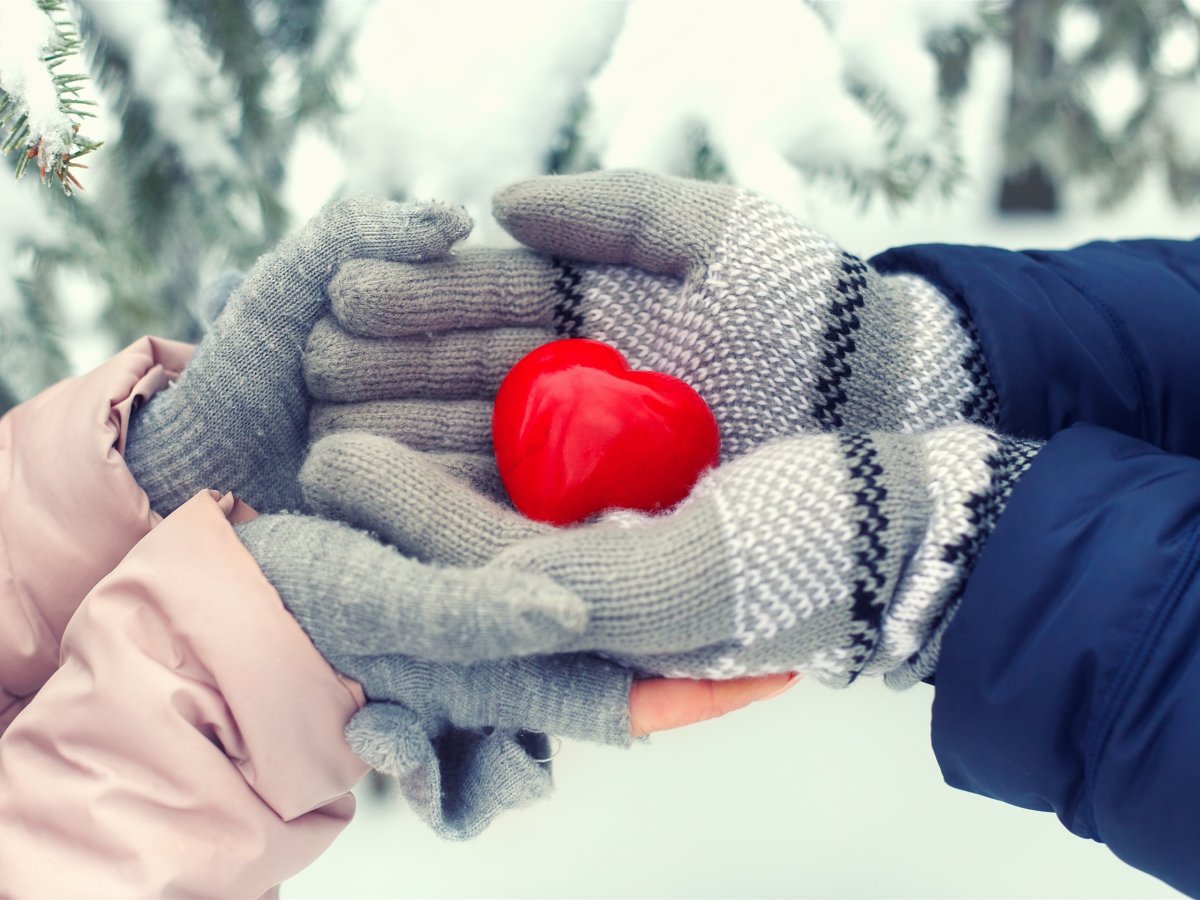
x=173, y=449
x=164, y=447
x=961, y=520
x=235, y=421
x=939, y=374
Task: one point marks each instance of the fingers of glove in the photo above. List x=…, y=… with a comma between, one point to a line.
x=655, y=222
x=482, y=775
x=476, y=288
x=374, y=228
x=652, y=584
x=409, y=499
x=456, y=781
x=572, y=695
x=457, y=365
x=389, y=738
x=477, y=470
x=452, y=426
x=352, y=594
x=296, y=272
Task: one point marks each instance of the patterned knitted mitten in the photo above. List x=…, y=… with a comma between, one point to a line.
x=778, y=328
x=833, y=554
x=237, y=419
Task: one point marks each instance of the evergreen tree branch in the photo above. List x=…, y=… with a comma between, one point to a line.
x=54, y=152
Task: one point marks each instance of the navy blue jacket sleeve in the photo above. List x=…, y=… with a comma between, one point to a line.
x=1069, y=680
x=1107, y=333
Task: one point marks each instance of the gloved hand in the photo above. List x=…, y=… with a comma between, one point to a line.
x=832, y=554
x=465, y=742
x=779, y=329
x=460, y=736
x=461, y=739
x=237, y=419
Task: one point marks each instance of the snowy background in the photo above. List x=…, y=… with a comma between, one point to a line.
x=818, y=793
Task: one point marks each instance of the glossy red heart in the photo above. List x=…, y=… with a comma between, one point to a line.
x=576, y=432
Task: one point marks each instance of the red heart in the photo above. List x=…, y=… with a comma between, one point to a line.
x=576, y=432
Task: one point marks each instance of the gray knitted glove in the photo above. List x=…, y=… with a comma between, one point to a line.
x=432, y=727
x=458, y=737
x=454, y=735
x=833, y=554
x=237, y=419
x=456, y=781
x=780, y=330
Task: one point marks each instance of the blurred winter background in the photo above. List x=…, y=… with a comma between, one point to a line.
x=227, y=122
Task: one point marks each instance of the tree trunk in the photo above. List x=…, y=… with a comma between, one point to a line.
x=1028, y=184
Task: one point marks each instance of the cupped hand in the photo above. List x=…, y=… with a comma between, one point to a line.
x=237, y=419
x=779, y=329
x=834, y=554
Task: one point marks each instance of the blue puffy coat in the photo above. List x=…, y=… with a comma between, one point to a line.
x=1070, y=677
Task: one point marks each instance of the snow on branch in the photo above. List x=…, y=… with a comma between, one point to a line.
x=40, y=107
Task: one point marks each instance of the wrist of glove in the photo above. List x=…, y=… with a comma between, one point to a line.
x=837, y=555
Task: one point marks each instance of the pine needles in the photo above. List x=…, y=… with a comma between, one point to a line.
x=55, y=156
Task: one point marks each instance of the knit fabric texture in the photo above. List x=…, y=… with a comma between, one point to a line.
x=773, y=319
x=465, y=742
x=779, y=329
x=237, y=419
x=337, y=580
x=461, y=738
x=458, y=780
x=835, y=554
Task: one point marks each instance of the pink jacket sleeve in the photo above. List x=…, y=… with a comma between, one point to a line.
x=69, y=508
x=191, y=741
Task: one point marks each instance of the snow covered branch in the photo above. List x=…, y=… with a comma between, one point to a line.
x=40, y=107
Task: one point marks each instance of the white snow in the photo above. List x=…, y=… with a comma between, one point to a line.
x=763, y=80
x=1078, y=28
x=1179, y=50
x=1179, y=111
x=24, y=224
x=884, y=45
x=456, y=99
x=452, y=99
x=25, y=34
x=1116, y=93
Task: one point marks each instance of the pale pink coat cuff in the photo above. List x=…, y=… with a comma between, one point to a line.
x=69, y=508
x=191, y=742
